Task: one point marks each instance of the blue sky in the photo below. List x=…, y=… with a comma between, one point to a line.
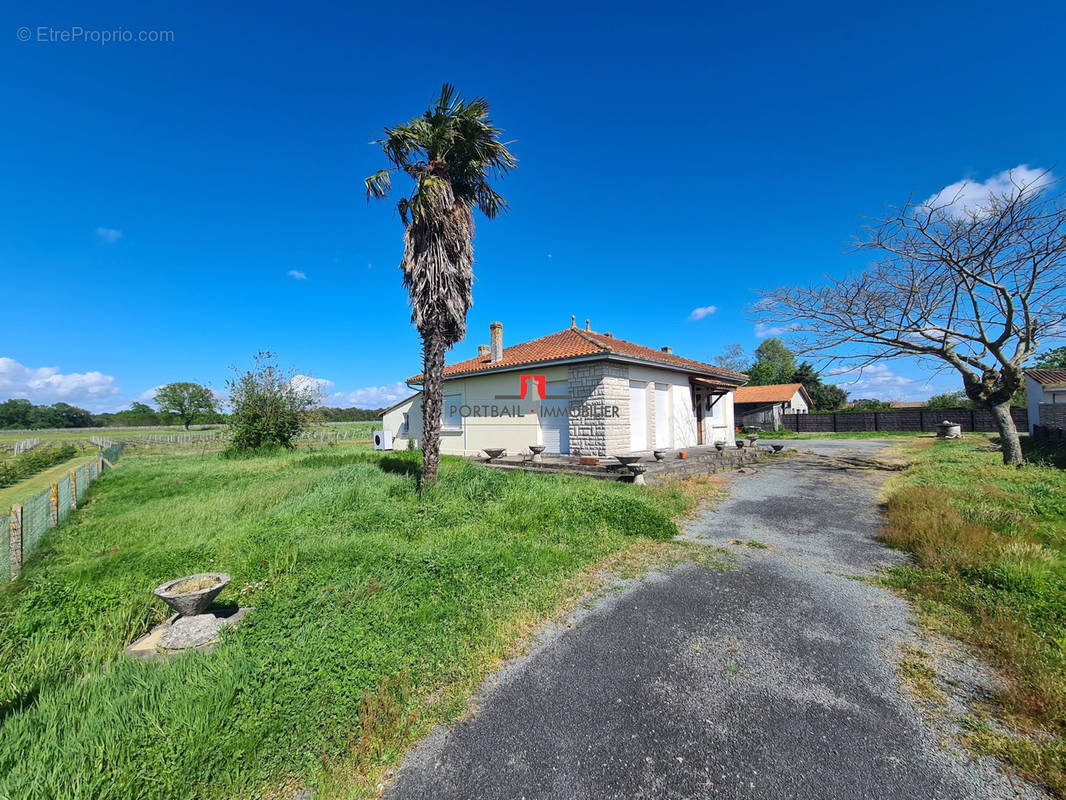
x=169, y=208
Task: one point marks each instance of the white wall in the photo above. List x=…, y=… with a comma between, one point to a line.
x=1035, y=394
x=515, y=433
x=717, y=426
x=392, y=420
x=797, y=405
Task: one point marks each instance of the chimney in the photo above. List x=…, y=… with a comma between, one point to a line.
x=495, y=342
x=482, y=351
x=588, y=326
x=668, y=349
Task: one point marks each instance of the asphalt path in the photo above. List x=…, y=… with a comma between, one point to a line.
x=777, y=679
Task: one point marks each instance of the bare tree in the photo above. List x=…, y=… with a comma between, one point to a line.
x=976, y=285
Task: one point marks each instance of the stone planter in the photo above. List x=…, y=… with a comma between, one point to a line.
x=777, y=448
x=637, y=471
x=494, y=452
x=192, y=594
x=659, y=454
x=625, y=461
x=536, y=450
x=740, y=444
x=949, y=430
x=719, y=446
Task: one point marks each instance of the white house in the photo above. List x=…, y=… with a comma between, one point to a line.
x=1044, y=387
x=763, y=406
x=397, y=420
x=579, y=392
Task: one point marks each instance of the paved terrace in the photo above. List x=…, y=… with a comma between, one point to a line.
x=701, y=460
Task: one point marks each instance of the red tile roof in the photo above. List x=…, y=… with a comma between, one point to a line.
x=776, y=393
x=577, y=343
x=1048, y=377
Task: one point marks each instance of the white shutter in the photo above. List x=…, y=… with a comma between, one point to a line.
x=638, y=416
x=555, y=419
x=663, y=412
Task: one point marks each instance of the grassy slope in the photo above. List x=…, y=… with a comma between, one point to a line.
x=990, y=546
x=374, y=614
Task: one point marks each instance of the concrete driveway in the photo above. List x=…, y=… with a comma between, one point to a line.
x=775, y=680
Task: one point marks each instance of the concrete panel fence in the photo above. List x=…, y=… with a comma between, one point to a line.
x=29, y=521
x=917, y=420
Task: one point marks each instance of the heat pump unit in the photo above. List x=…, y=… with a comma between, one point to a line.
x=382, y=440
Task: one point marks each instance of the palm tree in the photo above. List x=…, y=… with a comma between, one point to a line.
x=449, y=152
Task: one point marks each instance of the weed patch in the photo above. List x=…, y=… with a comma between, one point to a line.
x=990, y=567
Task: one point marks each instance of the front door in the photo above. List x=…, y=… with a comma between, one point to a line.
x=697, y=402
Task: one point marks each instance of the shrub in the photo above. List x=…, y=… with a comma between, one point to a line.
x=271, y=408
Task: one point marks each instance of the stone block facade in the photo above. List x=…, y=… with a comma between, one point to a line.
x=599, y=386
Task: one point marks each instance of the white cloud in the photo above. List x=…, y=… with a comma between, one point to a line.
x=763, y=331
x=880, y=382
x=702, y=311
x=370, y=396
x=295, y=273
x=317, y=386
x=108, y=235
x=963, y=198
x=46, y=385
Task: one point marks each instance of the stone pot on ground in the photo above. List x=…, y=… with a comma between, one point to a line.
x=494, y=452
x=536, y=450
x=719, y=446
x=659, y=454
x=192, y=594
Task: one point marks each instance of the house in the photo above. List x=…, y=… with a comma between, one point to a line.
x=397, y=420
x=580, y=392
x=762, y=406
x=1044, y=388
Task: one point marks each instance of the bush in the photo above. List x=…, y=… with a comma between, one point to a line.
x=271, y=408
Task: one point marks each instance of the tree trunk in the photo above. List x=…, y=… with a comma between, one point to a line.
x=432, y=404
x=1008, y=434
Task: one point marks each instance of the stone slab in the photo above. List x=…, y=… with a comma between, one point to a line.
x=180, y=634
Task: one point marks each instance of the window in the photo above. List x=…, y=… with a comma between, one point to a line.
x=451, y=420
x=405, y=425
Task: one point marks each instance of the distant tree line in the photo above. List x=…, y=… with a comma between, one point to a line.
x=21, y=414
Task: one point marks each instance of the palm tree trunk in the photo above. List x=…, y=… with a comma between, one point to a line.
x=433, y=348
x=1008, y=434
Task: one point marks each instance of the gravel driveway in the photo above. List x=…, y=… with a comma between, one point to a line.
x=774, y=680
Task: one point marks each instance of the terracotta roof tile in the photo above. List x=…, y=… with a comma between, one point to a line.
x=776, y=393
x=575, y=343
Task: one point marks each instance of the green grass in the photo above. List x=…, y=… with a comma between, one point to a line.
x=375, y=615
x=990, y=548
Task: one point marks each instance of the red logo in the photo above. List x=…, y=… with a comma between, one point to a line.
x=536, y=379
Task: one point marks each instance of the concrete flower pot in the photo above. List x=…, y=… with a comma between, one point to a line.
x=494, y=452
x=536, y=450
x=192, y=594
x=659, y=454
x=719, y=446
x=625, y=461
x=777, y=448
